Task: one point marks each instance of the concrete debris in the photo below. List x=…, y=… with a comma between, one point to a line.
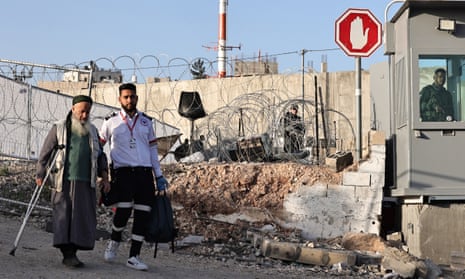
x=394, y=237
x=191, y=240
x=408, y=266
x=363, y=242
x=230, y=211
x=196, y=157
x=457, y=259
x=339, y=160
x=398, y=262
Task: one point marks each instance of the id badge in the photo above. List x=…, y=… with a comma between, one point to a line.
x=132, y=143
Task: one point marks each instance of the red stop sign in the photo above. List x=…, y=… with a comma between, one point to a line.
x=358, y=32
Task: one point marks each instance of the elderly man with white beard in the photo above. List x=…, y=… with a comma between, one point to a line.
x=75, y=172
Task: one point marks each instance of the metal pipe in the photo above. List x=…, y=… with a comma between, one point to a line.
x=222, y=39
x=391, y=69
x=388, y=6
x=29, y=121
x=56, y=67
x=317, y=137
x=358, y=106
x=323, y=120
x=91, y=77
x=303, y=84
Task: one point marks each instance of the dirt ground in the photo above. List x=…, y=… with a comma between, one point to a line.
x=198, y=192
x=36, y=258
x=205, y=190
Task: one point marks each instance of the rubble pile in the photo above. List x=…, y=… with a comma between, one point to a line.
x=202, y=191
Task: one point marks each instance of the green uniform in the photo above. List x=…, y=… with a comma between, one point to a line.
x=436, y=104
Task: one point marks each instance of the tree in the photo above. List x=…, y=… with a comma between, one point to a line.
x=198, y=69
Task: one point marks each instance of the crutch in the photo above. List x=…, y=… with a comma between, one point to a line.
x=35, y=197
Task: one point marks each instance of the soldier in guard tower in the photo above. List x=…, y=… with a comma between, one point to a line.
x=435, y=100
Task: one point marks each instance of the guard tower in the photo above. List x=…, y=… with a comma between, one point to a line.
x=425, y=44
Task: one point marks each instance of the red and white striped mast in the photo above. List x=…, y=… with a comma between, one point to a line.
x=222, y=39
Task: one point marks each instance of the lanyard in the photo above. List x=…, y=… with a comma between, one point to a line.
x=127, y=124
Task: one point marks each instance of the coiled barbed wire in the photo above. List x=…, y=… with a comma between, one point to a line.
x=27, y=110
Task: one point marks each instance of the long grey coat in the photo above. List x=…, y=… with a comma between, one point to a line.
x=73, y=202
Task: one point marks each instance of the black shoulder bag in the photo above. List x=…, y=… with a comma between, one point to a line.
x=161, y=226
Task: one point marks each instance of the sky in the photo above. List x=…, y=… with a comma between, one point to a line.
x=64, y=32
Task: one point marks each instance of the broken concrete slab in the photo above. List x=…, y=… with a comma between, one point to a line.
x=339, y=160
x=398, y=261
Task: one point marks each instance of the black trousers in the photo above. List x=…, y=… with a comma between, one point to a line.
x=292, y=142
x=135, y=189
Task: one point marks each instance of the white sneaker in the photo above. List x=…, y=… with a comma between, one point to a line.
x=110, y=252
x=134, y=262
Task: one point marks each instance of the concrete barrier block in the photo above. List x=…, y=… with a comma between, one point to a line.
x=339, y=160
x=369, y=195
x=377, y=138
x=356, y=179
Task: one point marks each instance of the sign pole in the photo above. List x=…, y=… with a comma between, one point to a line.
x=358, y=33
x=358, y=106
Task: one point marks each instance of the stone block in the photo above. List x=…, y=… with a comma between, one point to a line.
x=339, y=160
x=377, y=137
x=369, y=195
x=356, y=179
x=395, y=236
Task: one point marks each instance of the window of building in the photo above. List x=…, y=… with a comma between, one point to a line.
x=442, y=88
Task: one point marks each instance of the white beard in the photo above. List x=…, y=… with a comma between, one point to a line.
x=80, y=128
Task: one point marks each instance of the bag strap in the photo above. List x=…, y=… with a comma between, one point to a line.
x=155, y=251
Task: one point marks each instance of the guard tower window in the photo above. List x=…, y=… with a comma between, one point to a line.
x=442, y=88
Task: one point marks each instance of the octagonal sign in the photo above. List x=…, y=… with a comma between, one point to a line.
x=358, y=32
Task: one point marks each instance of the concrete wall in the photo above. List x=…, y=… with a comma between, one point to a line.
x=434, y=231
x=161, y=99
x=326, y=211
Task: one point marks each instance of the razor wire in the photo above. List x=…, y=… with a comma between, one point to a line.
x=28, y=108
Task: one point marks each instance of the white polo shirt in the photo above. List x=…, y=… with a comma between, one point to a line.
x=132, y=141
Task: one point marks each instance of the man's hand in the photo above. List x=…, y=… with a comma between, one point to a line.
x=439, y=109
x=105, y=185
x=39, y=181
x=162, y=183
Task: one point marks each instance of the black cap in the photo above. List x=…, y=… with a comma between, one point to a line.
x=82, y=98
